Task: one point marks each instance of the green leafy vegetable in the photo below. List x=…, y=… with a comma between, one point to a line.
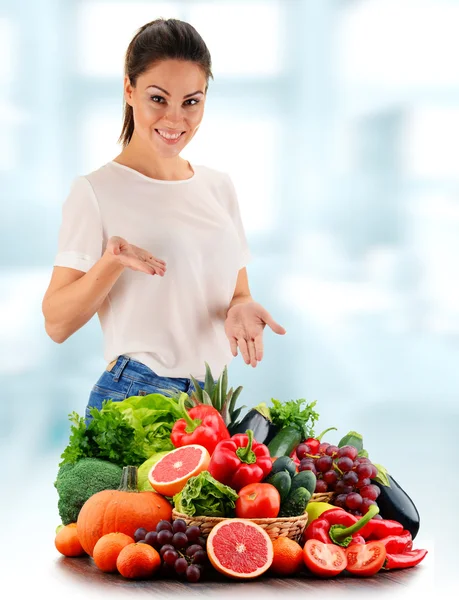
x=124, y=433
x=291, y=413
x=204, y=495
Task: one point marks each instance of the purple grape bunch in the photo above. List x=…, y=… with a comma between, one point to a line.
x=181, y=547
x=342, y=471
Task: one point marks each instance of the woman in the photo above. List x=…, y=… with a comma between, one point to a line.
x=154, y=244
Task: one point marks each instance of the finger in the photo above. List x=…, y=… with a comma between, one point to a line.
x=233, y=346
x=244, y=350
x=259, y=347
x=156, y=260
x=272, y=323
x=252, y=353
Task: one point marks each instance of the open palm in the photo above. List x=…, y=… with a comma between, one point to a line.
x=244, y=327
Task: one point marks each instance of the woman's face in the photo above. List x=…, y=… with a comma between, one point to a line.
x=168, y=100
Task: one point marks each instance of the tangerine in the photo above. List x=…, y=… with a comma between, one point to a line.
x=288, y=556
x=107, y=549
x=67, y=542
x=138, y=561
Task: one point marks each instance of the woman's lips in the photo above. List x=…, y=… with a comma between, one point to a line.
x=169, y=141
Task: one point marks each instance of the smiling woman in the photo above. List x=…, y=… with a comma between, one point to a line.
x=150, y=212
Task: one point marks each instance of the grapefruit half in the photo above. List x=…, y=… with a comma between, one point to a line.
x=239, y=548
x=170, y=474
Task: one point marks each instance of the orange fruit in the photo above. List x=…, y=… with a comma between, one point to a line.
x=107, y=549
x=138, y=561
x=67, y=542
x=239, y=548
x=170, y=474
x=288, y=556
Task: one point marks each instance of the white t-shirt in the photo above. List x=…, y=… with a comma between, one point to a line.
x=173, y=324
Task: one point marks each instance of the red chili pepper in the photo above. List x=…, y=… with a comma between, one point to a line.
x=379, y=528
x=396, y=544
x=410, y=558
x=337, y=526
x=314, y=443
x=240, y=460
x=201, y=425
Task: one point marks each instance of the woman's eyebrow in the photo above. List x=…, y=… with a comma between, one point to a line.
x=167, y=93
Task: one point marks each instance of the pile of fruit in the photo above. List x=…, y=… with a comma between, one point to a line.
x=179, y=488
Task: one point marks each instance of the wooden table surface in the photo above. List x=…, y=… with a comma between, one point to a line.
x=84, y=570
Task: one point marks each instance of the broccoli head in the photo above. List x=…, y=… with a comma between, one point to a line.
x=75, y=483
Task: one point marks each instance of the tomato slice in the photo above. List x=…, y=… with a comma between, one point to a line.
x=365, y=559
x=326, y=560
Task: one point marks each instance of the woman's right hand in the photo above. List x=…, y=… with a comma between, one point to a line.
x=134, y=257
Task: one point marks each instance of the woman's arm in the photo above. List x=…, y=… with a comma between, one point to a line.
x=73, y=296
x=242, y=290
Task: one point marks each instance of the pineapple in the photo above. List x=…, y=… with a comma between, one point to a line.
x=217, y=395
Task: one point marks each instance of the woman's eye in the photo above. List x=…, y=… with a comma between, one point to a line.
x=158, y=100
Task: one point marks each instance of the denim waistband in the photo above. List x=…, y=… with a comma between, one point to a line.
x=134, y=369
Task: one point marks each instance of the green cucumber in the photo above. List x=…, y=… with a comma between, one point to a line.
x=284, y=463
x=282, y=482
x=284, y=442
x=296, y=503
x=305, y=479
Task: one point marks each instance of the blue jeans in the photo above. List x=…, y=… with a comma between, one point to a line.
x=129, y=377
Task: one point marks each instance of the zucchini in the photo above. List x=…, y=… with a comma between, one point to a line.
x=305, y=479
x=296, y=503
x=285, y=441
x=282, y=482
x=284, y=463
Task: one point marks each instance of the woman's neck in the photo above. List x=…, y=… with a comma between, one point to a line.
x=166, y=169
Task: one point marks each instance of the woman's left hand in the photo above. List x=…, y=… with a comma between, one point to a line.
x=244, y=329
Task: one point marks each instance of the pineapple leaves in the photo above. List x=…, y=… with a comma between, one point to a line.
x=215, y=394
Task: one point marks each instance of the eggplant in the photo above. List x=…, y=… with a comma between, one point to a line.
x=263, y=428
x=395, y=504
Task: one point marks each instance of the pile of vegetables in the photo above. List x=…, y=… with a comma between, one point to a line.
x=252, y=469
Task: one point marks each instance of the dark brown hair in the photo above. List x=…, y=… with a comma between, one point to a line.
x=161, y=39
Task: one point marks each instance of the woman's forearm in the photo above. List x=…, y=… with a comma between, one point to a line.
x=72, y=306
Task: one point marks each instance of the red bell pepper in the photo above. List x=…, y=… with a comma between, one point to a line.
x=201, y=425
x=395, y=544
x=409, y=558
x=379, y=528
x=336, y=526
x=240, y=460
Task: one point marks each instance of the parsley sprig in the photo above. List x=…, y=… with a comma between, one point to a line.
x=291, y=413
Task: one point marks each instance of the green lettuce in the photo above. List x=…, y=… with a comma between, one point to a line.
x=124, y=433
x=203, y=495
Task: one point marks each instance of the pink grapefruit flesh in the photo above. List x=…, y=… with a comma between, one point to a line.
x=240, y=548
x=170, y=474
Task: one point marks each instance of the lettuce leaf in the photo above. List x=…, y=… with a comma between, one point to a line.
x=124, y=433
x=203, y=495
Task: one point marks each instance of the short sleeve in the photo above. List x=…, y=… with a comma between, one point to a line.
x=80, y=235
x=235, y=212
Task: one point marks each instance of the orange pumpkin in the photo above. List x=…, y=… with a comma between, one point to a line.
x=123, y=510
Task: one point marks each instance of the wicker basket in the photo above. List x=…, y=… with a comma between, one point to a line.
x=324, y=497
x=291, y=527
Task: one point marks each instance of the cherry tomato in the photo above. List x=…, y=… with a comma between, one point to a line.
x=258, y=501
x=365, y=559
x=326, y=560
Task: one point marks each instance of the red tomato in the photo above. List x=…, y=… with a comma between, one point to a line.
x=326, y=560
x=365, y=559
x=258, y=501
